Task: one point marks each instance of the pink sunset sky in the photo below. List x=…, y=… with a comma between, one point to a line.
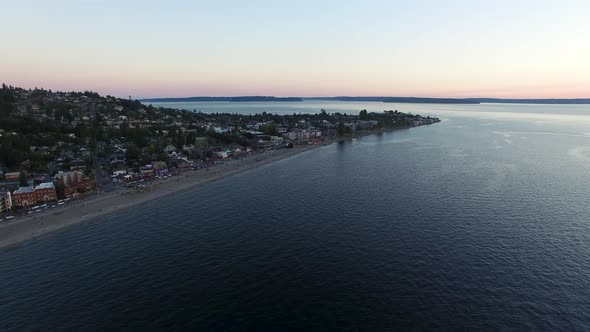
x=532, y=49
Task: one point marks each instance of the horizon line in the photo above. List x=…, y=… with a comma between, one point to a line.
x=303, y=97
x=359, y=96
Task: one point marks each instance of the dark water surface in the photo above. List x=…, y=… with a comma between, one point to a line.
x=480, y=222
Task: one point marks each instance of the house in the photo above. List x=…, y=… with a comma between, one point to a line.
x=160, y=168
x=147, y=171
x=77, y=164
x=367, y=124
x=201, y=142
x=314, y=141
x=188, y=148
x=221, y=153
x=170, y=148
x=183, y=165
x=8, y=186
x=221, y=130
x=119, y=172
x=11, y=176
x=265, y=145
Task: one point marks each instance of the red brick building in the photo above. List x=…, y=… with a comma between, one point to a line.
x=24, y=196
x=45, y=192
x=30, y=196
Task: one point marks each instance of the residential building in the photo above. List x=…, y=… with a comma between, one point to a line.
x=10, y=176
x=160, y=168
x=119, y=172
x=24, y=196
x=220, y=152
x=5, y=202
x=73, y=182
x=367, y=124
x=147, y=171
x=315, y=133
x=77, y=165
x=69, y=178
x=45, y=192
x=290, y=135
x=302, y=134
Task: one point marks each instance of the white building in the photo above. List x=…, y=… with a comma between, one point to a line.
x=5, y=202
x=290, y=135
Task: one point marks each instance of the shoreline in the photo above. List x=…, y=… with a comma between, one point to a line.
x=17, y=232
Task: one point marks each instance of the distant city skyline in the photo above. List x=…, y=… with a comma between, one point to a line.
x=148, y=49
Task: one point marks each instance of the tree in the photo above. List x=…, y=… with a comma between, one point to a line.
x=341, y=129
x=152, y=149
x=324, y=115
x=164, y=157
x=6, y=100
x=22, y=179
x=363, y=115
x=60, y=190
x=132, y=154
x=270, y=129
x=88, y=171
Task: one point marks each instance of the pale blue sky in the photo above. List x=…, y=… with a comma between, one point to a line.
x=300, y=48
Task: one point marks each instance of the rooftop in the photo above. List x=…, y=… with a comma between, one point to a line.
x=46, y=185
x=24, y=190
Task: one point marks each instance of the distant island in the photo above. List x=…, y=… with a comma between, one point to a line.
x=420, y=100
x=415, y=100
x=230, y=99
x=429, y=100
x=531, y=101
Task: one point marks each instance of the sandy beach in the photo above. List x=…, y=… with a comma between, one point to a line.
x=26, y=228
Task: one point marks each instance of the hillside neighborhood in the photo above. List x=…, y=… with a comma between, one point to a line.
x=55, y=146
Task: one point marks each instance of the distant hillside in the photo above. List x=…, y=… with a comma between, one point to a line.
x=531, y=101
x=419, y=100
x=429, y=100
x=345, y=98
x=416, y=100
x=231, y=99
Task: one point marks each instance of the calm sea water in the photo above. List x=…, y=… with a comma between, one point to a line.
x=480, y=222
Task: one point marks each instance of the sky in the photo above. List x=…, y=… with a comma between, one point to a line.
x=452, y=48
